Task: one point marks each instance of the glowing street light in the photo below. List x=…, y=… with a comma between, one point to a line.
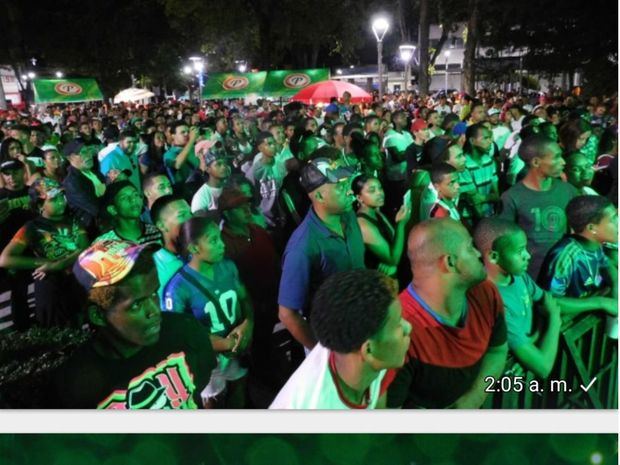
x=31, y=75
x=187, y=70
x=198, y=64
x=380, y=27
x=59, y=74
x=406, y=54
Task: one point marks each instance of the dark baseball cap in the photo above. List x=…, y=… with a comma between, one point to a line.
x=73, y=147
x=323, y=171
x=11, y=165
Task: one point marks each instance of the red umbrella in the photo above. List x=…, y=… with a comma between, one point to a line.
x=324, y=91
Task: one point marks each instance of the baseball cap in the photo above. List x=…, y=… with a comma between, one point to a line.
x=49, y=147
x=231, y=198
x=418, y=125
x=323, y=171
x=107, y=262
x=202, y=147
x=73, y=147
x=459, y=129
x=212, y=156
x=44, y=188
x=11, y=165
x=493, y=111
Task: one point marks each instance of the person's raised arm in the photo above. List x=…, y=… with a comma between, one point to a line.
x=387, y=253
x=182, y=156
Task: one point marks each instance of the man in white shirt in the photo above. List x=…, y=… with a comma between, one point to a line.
x=356, y=317
x=218, y=170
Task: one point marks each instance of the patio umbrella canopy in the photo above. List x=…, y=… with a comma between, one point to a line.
x=133, y=94
x=322, y=92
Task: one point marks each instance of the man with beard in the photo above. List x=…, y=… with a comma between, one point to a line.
x=459, y=332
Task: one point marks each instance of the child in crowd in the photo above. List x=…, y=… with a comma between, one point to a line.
x=503, y=245
x=209, y=287
x=444, y=178
x=577, y=266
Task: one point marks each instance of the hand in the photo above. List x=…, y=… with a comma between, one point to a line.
x=403, y=215
x=550, y=306
x=193, y=134
x=243, y=335
x=609, y=305
x=41, y=272
x=116, y=175
x=387, y=270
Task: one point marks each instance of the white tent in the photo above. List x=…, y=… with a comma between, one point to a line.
x=133, y=94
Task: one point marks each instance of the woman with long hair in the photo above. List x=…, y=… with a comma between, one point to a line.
x=384, y=243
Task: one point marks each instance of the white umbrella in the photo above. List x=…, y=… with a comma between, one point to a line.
x=133, y=94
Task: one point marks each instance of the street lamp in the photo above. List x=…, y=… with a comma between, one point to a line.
x=242, y=65
x=446, y=55
x=199, y=66
x=379, y=27
x=31, y=75
x=406, y=54
x=59, y=74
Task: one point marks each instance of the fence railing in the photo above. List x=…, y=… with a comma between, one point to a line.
x=585, y=375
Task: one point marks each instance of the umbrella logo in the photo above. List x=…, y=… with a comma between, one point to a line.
x=68, y=88
x=297, y=81
x=235, y=83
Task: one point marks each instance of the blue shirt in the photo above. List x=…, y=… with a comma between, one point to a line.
x=181, y=296
x=314, y=253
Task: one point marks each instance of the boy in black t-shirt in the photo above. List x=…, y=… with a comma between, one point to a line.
x=138, y=358
x=14, y=213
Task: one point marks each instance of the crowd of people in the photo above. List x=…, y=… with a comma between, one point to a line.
x=233, y=255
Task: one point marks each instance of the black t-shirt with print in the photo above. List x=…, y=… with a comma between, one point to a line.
x=170, y=374
x=19, y=214
x=49, y=239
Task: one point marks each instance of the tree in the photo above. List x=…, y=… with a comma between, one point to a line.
x=423, y=40
x=559, y=37
x=468, y=83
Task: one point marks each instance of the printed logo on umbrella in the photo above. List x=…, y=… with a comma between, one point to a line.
x=68, y=88
x=235, y=83
x=296, y=81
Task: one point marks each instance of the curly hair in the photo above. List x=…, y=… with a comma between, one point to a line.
x=586, y=209
x=351, y=307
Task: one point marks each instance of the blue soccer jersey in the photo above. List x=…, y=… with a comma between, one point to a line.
x=184, y=294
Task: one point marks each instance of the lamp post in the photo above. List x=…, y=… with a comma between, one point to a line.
x=406, y=53
x=198, y=64
x=379, y=27
x=59, y=74
x=446, y=55
x=242, y=65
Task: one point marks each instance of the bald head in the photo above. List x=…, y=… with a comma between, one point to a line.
x=431, y=239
